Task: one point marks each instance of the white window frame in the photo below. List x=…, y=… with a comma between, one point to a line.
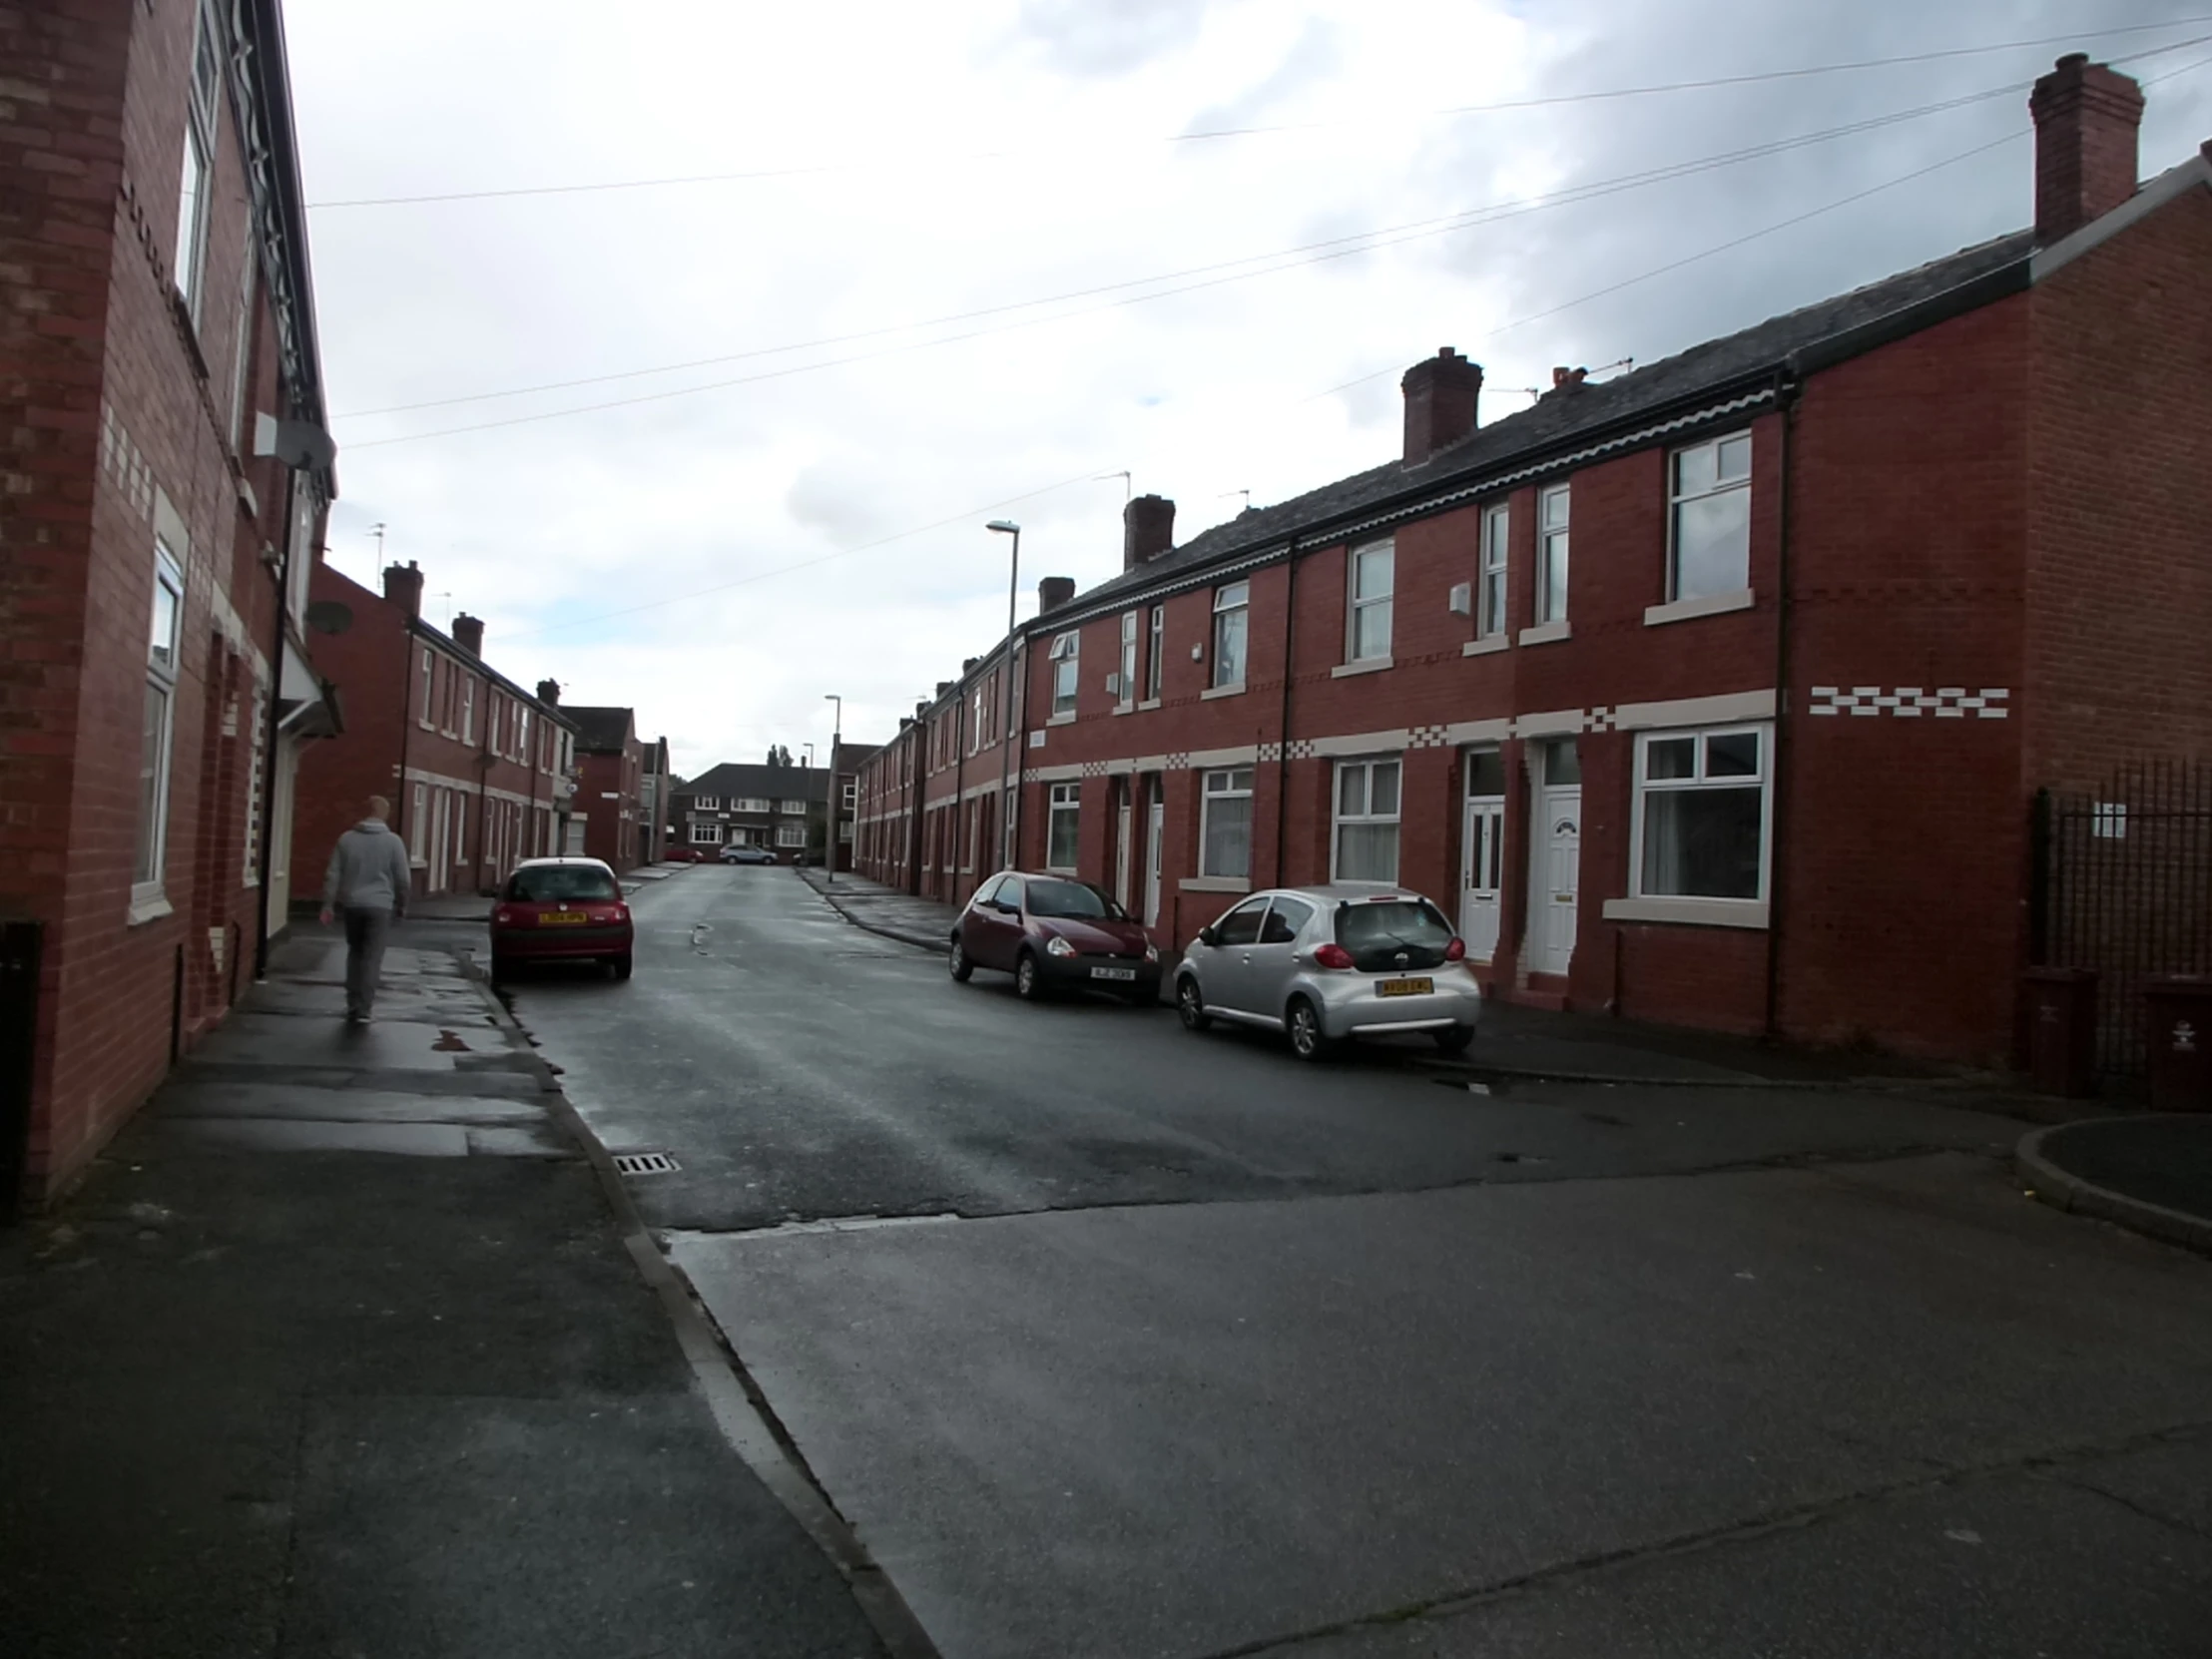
x=1552, y=536
x=1066, y=658
x=706, y=803
x=1677, y=498
x=1340, y=820
x=1125, y=684
x=1232, y=610
x=849, y=791
x=1064, y=797
x=1222, y=784
x=706, y=834
x=1159, y=642
x=751, y=804
x=429, y=688
x=195, y=178
x=419, y=819
x=241, y=344
x=1495, y=563
x=792, y=809
x=162, y=671
x=791, y=834
x=468, y=709
x=1698, y=907
x=1357, y=606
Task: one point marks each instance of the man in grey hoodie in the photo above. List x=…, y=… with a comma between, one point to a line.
x=369, y=880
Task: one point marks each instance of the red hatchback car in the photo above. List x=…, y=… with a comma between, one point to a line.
x=560, y=909
x=1052, y=932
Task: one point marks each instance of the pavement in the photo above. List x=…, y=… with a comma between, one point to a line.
x=2151, y=1172
x=342, y=1349
x=1113, y=1340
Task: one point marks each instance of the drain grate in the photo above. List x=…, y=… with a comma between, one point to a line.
x=646, y=1163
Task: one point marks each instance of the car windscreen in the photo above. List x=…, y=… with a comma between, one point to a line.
x=555, y=882
x=1378, y=931
x=1069, y=898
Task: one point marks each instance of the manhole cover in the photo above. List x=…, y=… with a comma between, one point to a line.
x=645, y=1163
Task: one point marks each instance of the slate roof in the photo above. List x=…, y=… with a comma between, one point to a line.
x=600, y=730
x=761, y=781
x=1557, y=422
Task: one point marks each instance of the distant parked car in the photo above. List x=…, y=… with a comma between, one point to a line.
x=745, y=855
x=561, y=909
x=1324, y=964
x=1052, y=932
x=683, y=855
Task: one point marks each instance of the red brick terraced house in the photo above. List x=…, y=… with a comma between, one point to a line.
x=1716, y=694
x=479, y=772
x=164, y=475
x=610, y=796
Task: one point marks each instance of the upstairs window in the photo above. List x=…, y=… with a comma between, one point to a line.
x=793, y=809
x=1551, y=555
x=1155, y=651
x=1232, y=624
x=161, y=719
x=1066, y=671
x=1489, y=610
x=1125, y=681
x=1709, y=524
x=706, y=803
x=1367, y=628
x=189, y=271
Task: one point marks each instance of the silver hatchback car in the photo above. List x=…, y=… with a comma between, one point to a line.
x=1323, y=964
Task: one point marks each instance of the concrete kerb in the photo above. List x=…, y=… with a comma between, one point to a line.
x=941, y=945
x=740, y=1409
x=2049, y=1184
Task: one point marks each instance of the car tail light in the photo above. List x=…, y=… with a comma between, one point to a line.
x=1332, y=956
x=609, y=912
x=1456, y=951
x=502, y=916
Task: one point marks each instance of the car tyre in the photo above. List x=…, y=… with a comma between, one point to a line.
x=957, y=963
x=1454, y=1039
x=1190, y=1005
x=1307, y=1040
x=617, y=967
x=1028, y=978
x=502, y=970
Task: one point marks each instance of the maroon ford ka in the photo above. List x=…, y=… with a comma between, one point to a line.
x=1053, y=933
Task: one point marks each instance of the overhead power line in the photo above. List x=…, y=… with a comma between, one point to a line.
x=1503, y=105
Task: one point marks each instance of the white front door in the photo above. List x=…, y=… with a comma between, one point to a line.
x=1122, y=826
x=1559, y=877
x=1482, y=868
x=1152, y=835
x=440, y=817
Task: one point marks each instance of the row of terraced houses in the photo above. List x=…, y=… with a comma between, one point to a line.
x=178, y=666
x=1716, y=694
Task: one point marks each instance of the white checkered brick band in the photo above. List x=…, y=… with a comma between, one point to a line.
x=1910, y=701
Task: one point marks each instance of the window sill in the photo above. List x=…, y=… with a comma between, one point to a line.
x=1694, y=913
x=1208, y=695
x=1711, y=604
x=1061, y=719
x=1370, y=665
x=1124, y=708
x=151, y=906
x=1148, y=703
x=1214, y=883
x=1060, y=869
x=1485, y=645
x=1545, y=633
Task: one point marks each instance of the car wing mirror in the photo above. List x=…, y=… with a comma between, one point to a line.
x=1207, y=937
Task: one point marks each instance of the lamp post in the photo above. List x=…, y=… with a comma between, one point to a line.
x=1007, y=527
x=830, y=841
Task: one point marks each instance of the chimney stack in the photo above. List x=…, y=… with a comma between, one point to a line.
x=1440, y=397
x=1053, y=592
x=469, y=634
x=2085, y=121
x=1147, y=530
x=549, y=691
x=403, y=587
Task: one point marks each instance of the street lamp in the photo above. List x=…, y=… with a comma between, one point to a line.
x=1007, y=527
x=836, y=741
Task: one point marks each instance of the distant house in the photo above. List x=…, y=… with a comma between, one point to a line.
x=610, y=788
x=748, y=805
x=653, y=792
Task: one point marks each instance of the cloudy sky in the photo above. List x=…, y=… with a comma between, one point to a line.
x=724, y=443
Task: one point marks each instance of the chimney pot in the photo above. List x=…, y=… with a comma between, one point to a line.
x=469, y=634
x=1147, y=530
x=549, y=691
x=403, y=587
x=2086, y=116
x=1441, y=394
x=1053, y=592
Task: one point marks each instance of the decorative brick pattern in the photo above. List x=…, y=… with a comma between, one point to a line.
x=1429, y=736
x=1910, y=702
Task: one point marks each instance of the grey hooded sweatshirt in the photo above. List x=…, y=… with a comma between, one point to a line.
x=368, y=869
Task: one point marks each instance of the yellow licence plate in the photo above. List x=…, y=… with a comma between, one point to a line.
x=1404, y=987
x=553, y=918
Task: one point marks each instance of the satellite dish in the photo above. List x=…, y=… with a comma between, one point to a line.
x=328, y=616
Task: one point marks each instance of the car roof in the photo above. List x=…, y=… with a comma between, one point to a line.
x=575, y=863
x=1341, y=892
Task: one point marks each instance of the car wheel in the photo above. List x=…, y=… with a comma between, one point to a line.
x=1454, y=1039
x=961, y=968
x=502, y=970
x=1190, y=1006
x=1307, y=1040
x=1029, y=981
x=622, y=966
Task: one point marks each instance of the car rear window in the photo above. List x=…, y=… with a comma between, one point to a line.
x=1377, y=932
x=555, y=882
x=1068, y=898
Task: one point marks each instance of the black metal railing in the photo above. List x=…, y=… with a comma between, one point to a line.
x=2122, y=884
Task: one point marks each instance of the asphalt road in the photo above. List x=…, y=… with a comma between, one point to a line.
x=1114, y=1340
